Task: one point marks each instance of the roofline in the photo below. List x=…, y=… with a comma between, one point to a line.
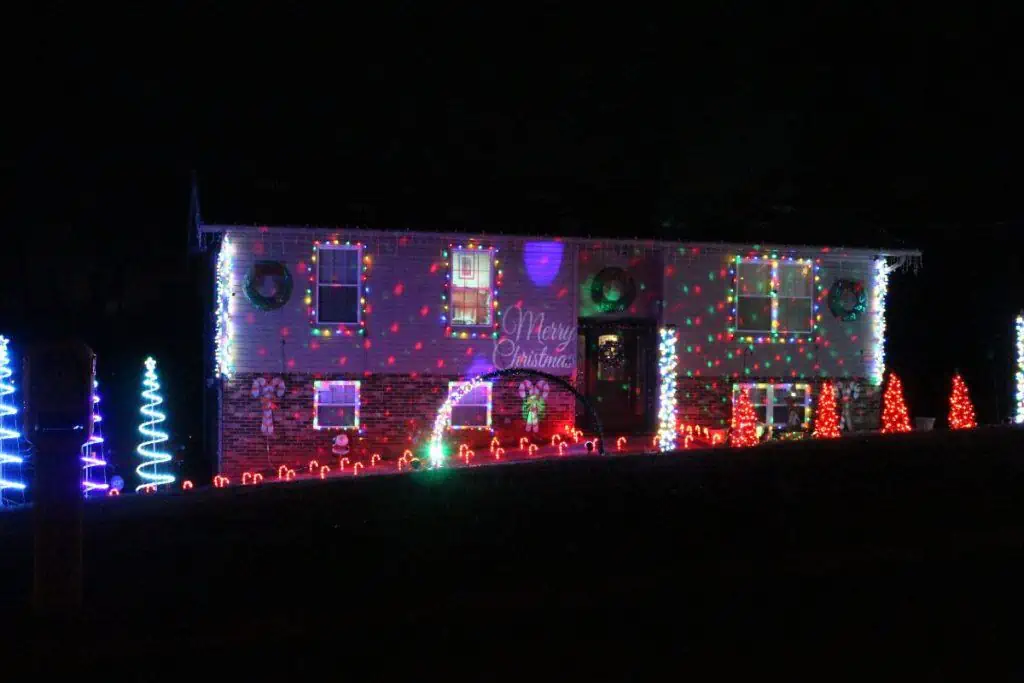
x=671, y=244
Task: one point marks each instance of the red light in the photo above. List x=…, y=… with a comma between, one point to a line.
x=424, y=310
x=399, y=289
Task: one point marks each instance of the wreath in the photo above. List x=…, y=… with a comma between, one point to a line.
x=612, y=290
x=281, y=280
x=612, y=353
x=847, y=299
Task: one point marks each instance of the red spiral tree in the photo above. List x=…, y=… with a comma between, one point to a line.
x=961, y=410
x=826, y=421
x=894, y=409
x=744, y=422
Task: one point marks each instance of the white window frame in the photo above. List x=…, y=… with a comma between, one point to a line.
x=317, y=405
x=358, y=285
x=491, y=289
x=773, y=326
x=490, y=404
x=782, y=389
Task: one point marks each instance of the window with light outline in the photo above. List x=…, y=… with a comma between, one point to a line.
x=773, y=401
x=337, y=292
x=470, y=299
x=774, y=299
x=336, y=404
x=473, y=411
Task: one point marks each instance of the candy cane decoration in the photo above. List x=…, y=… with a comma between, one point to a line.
x=533, y=396
x=266, y=391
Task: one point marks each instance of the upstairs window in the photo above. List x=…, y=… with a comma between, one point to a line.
x=472, y=287
x=336, y=404
x=774, y=296
x=339, y=285
x=473, y=411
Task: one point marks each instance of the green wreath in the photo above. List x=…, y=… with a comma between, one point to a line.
x=847, y=299
x=531, y=401
x=612, y=290
x=278, y=275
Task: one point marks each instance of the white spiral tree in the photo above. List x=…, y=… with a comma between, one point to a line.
x=150, y=471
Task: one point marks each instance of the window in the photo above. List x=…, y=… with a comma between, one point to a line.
x=336, y=404
x=338, y=288
x=774, y=296
x=775, y=403
x=473, y=411
x=472, y=287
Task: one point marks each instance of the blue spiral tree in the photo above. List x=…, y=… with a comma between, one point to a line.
x=12, y=486
x=149, y=470
x=94, y=461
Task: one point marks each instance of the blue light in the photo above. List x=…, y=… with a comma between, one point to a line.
x=149, y=470
x=10, y=459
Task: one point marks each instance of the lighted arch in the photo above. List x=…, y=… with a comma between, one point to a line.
x=444, y=413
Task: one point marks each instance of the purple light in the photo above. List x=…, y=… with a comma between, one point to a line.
x=543, y=260
x=92, y=452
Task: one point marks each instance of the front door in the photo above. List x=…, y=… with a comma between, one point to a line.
x=618, y=374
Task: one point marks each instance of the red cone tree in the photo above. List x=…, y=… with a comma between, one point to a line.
x=894, y=409
x=961, y=410
x=826, y=421
x=744, y=422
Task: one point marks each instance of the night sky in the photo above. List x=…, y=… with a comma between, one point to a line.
x=841, y=127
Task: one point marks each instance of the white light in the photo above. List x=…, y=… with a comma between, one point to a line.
x=1019, y=418
x=879, y=289
x=668, y=360
x=224, y=352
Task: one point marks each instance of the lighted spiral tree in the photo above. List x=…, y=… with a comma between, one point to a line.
x=94, y=462
x=826, y=421
x=895, y=418
x=10, y=457
x=150, y=471
x=961, y=410
x=1018, y=375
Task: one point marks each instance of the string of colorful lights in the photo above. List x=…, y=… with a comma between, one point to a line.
x=668, y=360
x=1019, y=417
x=94, y=464
x=149, y=470
x=446, y=298
x=318, y=328
x=435, y=451
x=10, y=458
x=876, y=362
x=224, y=358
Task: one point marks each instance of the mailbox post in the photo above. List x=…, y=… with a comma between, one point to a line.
x=58, y=409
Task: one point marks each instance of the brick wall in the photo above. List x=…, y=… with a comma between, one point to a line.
x=708, y=402
x=397, y=412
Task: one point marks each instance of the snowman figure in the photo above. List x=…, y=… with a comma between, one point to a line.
x=534, y=396
x=340, y=445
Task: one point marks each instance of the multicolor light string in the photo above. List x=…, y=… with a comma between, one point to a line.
x=668, y=360
x=1019, y=375
x=10, y=459
x=153, y=457
x=446, y=297
x=224, y=366
x=318, y=328
x=436, y=452
x=876, y=369
x=94, y=479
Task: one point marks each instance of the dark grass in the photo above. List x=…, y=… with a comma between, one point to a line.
x=830, y=558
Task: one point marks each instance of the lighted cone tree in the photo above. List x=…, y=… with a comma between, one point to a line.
x=894, y=409
x=961, y=410
x=826, y=422
x=744, y=422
